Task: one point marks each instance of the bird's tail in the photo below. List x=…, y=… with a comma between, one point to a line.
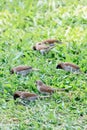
x=35, y=69
x=59, y=42
x=41, y=97
x=63, y=89
x=50, y=47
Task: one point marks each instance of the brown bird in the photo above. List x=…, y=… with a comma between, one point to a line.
x=22, y=70
x=27, y=96
x=68, y=67
x=42, y=48
x=46, y=89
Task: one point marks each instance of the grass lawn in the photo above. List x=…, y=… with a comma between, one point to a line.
x=23, y=23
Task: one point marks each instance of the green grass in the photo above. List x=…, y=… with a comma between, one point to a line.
x=24, y=23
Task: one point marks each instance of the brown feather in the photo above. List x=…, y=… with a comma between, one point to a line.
x=50, y=41
x=27, y=95
x=68, y=66
x=72, y=65
x=46, y=89
x=20, y=68
x=23, y=95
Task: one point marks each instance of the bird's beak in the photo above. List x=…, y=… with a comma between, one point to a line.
x=36, y=83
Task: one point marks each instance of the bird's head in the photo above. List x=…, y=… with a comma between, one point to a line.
x=59, y=66
x=38, y=82
x=34, y=48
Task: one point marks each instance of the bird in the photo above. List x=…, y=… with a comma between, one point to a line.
x=42, y=48
x=44, y=89
x=70, y=67
x=27, y=96
x=22, y=70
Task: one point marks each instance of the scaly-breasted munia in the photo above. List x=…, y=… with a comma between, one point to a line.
x=68, y=67
x=22, y=70
x=27, y=96
x=42, y=48
x=42, y=88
